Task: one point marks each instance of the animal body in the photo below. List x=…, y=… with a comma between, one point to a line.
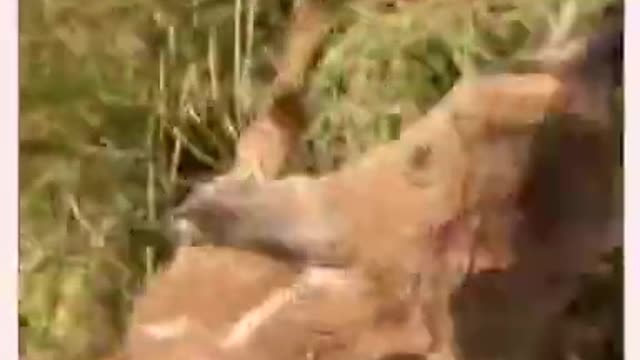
x=444, y=201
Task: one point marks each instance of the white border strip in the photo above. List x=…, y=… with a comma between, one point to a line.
x=9, y=188
x=9, y=192
x=632, y=179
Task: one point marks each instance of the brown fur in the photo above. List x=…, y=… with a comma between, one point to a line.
x=440, y=204
x=207, y=289
x=391, y=234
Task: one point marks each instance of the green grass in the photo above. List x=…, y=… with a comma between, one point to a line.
x=122, y=101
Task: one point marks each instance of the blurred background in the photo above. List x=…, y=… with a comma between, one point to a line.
x=123, y=102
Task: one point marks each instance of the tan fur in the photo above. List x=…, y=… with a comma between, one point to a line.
x=204, y=294
x=437, y=204
x=436, y=172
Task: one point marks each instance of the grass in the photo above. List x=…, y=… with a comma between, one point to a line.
x=122, y=102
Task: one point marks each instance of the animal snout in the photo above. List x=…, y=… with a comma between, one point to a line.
x=203, y=217
x=182, y=228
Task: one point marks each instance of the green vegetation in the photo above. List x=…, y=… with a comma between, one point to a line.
x=123, y=101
